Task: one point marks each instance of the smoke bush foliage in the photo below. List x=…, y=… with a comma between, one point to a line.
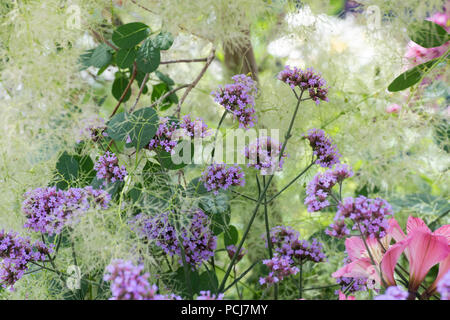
x=65, y=103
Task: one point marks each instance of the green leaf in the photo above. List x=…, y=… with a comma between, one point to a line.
x=140, y=76
x=207, y=281
x=148, y=57
x=119, y=85
x=66, y=169
x=99, y=57
x=163, y=40
x=196, y=187
x=164, y=78
x=231, y=236
x=410, y=77
x=125, y=58
x=177, y=160
x=140, y=127
x=218, y=209
x=159, y=90
x=427, y=34
x=130, y=34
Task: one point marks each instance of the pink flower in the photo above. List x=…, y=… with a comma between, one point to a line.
x=393, y=108
x=342, y=296
x=360, y=265
x=423, y=249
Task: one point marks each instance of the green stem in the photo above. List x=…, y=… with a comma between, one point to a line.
x=260, y=199
x=217, y=133
x=300, y=281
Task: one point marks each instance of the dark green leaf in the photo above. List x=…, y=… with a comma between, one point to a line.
x=99, y=57
x=119, y=86
x=125, y=57
x=67, y=170
x=410, y=77
x=148, y=57
x=163, y=41
x=231, y=236
x=196, y=187
x=131, y=34
x=427, y=34
x=178, y=159
x=164, y=78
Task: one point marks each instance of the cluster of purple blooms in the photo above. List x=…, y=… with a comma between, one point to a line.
x=443, y=287
x=128, y=282
x=393, y=293
x=107, y=168
x=194, y=128
x=231, y=250
x=264, y=155
x=279, y=268
x=323, y=148
x=319, y=188
x=207, y=295
x=197, y=240
x=16, y=252
x=368, y=215
x=351, y=285
x=165, y=137
x=306, y=80
x=286, y=243
x=239, y=99
x=48, y=210
x=219, y=176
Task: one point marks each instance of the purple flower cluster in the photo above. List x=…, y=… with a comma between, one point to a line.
x=231, y=250
x=319, y=188
x=351, y=285
x=443, y=287
x=369, y=215
x=306, y=80
x=107, y=168
x=393, y=293
x=286, y=242
x=207, y=295
x=239, y=99
x=264, y=155
x=195, y=128
x=16, y=252
x=323, y=148
x=280, y=267
x=128, y=282
x=197, y=240
x=165, y=137
x=94, y=130
x=48, y=210
x=219, y=176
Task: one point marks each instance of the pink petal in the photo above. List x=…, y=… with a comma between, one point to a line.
x=415, y=223
x=360, y=268
x=389, y=261
x=355, y=248
x=395, y=231
x=444, y=231
x=444, y=267
x=426, y=250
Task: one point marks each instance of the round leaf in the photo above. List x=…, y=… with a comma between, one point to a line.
x=125, y=58
x=148, y=57
x=130, y=34
x=119, y=85
x=163, y=41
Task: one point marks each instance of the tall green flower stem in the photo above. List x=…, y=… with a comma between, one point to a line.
x=300, y=281
x=269, y=242
x=261, y=196
x=217, y=133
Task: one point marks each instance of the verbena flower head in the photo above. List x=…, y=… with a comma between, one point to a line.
x=15, y=254
x=94, y=130
x=129, y=282
x=393, y=293
x=350, y=285
x=368, y=214
x=195, y=128
x=207, y=295
x=107, y=168
x=219, y=176
x=307, y=80
x=239, y=99
x=323, y=148
x=231, y=250
x=197, y=239
x=443, y=287
x=48, y=210
x=286, y=243
x=264, y=155
x=319, y=188
x=165, y=137
x=280, y=267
